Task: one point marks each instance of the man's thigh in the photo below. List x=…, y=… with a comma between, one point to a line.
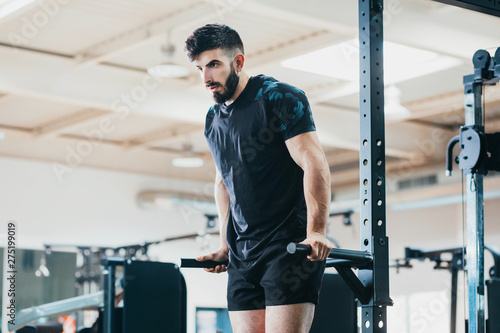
x=290, y=318
x=248, y=321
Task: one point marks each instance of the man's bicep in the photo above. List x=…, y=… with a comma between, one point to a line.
x=304, y=148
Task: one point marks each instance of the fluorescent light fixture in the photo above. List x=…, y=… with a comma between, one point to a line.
x=187, y=162
x=10, y=7
x=168, y=69
x=163, y=202
x=401, y=62
x=393, y=108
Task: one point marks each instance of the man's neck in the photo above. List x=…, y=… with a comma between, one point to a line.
x=239, y=89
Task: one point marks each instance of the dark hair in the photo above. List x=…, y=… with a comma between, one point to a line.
x=213, y=36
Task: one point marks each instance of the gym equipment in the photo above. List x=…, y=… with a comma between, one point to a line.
x=154, y=297
x=483, y=6
x=343, y=260
x=193, y=263
x=336, y=310
x=374, y=280
x=479, y=154
x=154, y=300
x=26, y=316
x=42, y=328
x=454, y=265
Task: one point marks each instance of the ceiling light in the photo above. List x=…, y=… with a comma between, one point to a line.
x=187, y=162
x=401, y=62
x=393, y=107
x=168, y=68
x=8, y=8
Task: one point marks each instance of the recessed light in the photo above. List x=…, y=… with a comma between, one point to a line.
x=401, y=62
x=187, y=162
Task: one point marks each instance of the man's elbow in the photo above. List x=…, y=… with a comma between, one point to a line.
x=316, y=163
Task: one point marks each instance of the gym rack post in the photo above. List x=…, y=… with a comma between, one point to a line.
x=371, y=285
x=372, y=167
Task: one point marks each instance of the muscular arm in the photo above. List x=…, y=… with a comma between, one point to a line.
x=222, y=202
x=306, y=151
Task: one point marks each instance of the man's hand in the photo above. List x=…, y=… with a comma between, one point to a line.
x=320, y=246
x=219, y=255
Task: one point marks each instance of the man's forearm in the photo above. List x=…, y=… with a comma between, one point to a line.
x=222, y=202
x=317, y=193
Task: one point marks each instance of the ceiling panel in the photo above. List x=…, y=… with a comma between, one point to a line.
x=30, y=112
x=129, y=128
x=272, y=31
x=79, y=24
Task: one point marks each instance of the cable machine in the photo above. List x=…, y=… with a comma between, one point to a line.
x=480, y=153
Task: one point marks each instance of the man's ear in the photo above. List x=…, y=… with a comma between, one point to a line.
x=239, y=61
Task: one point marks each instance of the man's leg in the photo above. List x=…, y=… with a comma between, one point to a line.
x=292, y=318
x=251, y=321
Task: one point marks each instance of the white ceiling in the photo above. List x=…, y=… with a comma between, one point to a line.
x=68, y=69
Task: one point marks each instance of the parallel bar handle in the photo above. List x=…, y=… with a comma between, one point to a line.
x=193, y=263
x=358, y=256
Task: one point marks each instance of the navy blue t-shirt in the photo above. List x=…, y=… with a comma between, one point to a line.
x=265, y=186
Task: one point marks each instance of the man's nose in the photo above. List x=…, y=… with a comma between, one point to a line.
x=207, y=78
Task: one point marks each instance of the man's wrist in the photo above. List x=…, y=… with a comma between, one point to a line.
x=316, y=233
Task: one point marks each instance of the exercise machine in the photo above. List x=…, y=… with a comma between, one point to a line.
x=454, y=260
x=153, y=296
x=480, y=153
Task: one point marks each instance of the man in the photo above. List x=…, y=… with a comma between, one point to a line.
x=272, y=187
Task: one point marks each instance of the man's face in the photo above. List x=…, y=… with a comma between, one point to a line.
x=218, y=74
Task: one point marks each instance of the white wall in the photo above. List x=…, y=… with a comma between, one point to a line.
x=90, y=207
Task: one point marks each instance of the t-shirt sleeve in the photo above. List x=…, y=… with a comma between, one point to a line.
x=291, y=110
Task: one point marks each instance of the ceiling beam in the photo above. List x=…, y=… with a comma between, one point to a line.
x=449, y=103
x=121, y=144
x=69, y=123
x=101, y=87
x=16, y=131
x=161, y=136
x=6, y=97
x=281, y=10
x=144, y=34
x=408, y=141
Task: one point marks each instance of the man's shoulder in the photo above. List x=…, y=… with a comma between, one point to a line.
x=213, y=110
x=272, y=89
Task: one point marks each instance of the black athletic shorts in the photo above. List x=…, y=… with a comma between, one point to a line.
x=275, y=278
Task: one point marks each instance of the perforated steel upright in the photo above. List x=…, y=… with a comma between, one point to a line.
x=372, y=165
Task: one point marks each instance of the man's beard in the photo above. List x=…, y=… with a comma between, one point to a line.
x=230, y=85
